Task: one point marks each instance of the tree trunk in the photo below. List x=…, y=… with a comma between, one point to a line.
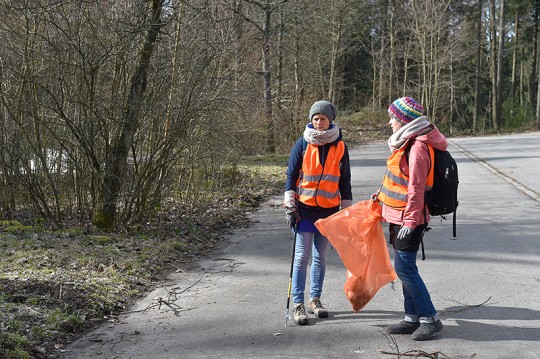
x=493, y=68
x=500, y=64
x=538, y=104
x=373, y=72
x=452, y=97
x=514, y=62
x=115, y=166
x=391, y=65
x=382, y=51
x=479, y=43
x=534, y=55
x=298, y=89
x=337, y=25
x=270, y=143
x=406, y=58
x=239, y=33
x=279, y=80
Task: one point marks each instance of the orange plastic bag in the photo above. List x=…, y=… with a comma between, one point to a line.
x=356, y=234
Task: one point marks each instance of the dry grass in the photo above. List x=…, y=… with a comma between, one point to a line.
x=56, y=285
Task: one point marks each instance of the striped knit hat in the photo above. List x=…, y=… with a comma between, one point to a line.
x=405, y=109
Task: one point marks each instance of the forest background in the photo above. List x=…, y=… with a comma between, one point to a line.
x=109, y=108
x=165, y=117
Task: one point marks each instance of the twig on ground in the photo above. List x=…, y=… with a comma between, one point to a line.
x=160, y=300
x=466, y=307
x=191, y=286
x=178, y=269
x=392, y=343
x=418, y=354
x=173, y=306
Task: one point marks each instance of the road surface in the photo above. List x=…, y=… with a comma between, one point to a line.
x=485, y=284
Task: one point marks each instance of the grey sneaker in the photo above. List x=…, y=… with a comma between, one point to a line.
x=299, y=315
x=315, y=306
x=403, y=327
x=427, y=331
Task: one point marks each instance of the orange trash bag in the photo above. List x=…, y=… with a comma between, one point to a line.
x=356, y=234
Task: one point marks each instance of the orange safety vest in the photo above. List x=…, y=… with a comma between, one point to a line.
x=395, y=184
x=318, y=185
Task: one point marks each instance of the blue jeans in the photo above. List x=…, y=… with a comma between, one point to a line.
x=418, y=305
x=306, y=242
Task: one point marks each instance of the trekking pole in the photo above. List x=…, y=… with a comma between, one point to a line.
x=287, y=316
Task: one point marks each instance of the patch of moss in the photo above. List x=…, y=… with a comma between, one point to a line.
x=69, y=232
x=9, y=222
x=101, y=239
x=17, y=227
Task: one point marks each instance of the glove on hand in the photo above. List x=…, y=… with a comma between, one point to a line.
x=374, y=196
x=292, y=216
x=404, y=233
x=346, y=203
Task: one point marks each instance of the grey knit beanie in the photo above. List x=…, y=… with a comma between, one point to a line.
x=325, y=107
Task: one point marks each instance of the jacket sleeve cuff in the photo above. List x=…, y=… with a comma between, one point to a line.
x=289, y=199
x=345, y=203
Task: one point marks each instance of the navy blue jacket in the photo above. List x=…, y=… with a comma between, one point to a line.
x=296, y=157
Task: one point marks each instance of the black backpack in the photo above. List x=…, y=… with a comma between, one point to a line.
x=442, y=198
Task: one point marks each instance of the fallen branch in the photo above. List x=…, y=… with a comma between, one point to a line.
x=466, y=307
x=191, y=286
x=167, y=302
x=418, y=354
x=392, y=342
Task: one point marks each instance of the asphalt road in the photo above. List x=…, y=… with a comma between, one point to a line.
x=485, y=284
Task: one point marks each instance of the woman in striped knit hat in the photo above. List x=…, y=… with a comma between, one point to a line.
x=402, y=199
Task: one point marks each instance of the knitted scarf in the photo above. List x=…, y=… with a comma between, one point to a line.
x=319, y=138
x=415, y=128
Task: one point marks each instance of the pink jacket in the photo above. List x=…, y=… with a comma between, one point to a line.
x=417, y=169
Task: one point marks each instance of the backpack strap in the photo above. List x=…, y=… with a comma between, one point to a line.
x=407, y=153
x=454, y=232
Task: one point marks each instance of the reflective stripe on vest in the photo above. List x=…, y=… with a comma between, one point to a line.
x=318, y=188
x=395, y=184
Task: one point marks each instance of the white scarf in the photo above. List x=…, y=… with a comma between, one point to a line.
x=415, y=128
x=319, y=138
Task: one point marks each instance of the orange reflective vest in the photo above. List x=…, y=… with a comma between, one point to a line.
x=318, y=185
x=395, y=184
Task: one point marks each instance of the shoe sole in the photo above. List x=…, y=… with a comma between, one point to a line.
x=438, y=330
x=321, y=315
x=401, y=331
x=421, y=339
x=318, y=315
x=301, y=322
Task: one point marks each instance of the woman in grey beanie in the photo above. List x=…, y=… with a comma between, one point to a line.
x=325, y=107
x=318, y=185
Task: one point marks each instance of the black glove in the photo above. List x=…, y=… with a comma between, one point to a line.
x=292, y=216
x=404, y=233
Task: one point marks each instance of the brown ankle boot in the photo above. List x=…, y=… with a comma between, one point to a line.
x=315, y=306
x=300, y=317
